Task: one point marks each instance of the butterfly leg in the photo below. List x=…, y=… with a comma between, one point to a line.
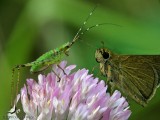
x=112, y=87
x=110, y=79
x=111, y=84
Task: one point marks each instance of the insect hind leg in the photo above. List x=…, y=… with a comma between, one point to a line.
x=12, y=87
x=18, y=80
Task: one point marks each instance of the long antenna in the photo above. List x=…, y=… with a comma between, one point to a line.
x=80, y=29
x=97, y=25
x=76, y=37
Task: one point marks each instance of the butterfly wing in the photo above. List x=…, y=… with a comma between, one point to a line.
x=137, y=76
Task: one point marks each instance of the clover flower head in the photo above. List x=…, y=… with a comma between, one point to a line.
x=71, y=96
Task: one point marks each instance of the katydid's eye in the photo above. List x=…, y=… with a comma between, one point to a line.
x=68, y=46
x=105, y=55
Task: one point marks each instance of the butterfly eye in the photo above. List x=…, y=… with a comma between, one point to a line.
x=97, y=60
x=105, y=55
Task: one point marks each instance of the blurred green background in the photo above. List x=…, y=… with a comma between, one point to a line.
x=29, y=28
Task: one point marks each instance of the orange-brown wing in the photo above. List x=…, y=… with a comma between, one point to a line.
x=137, y=76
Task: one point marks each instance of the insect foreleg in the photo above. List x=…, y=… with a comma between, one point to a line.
x=66, y=53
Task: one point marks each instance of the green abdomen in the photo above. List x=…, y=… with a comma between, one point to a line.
x=47, y=59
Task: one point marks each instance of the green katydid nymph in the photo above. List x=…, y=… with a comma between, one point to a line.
x=49, y=58
x=53, y=56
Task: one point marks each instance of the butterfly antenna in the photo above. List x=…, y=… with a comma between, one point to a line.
x=87, y=44
x=102, y=42
x=80, y=29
